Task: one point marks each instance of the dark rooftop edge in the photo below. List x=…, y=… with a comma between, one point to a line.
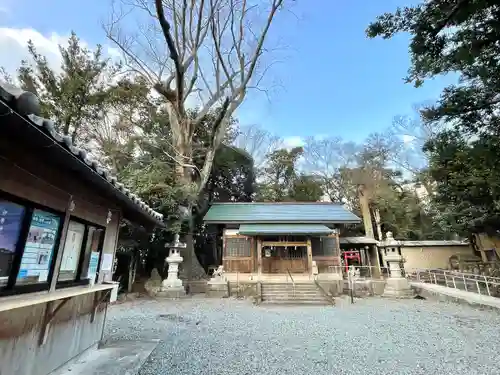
x=26, y=104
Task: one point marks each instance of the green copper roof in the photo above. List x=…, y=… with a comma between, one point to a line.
x=296, y=212
x=255, y=229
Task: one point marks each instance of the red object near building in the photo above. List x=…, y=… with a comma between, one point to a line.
x=351, y=254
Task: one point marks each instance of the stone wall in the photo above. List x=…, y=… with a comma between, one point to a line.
x=422, y=257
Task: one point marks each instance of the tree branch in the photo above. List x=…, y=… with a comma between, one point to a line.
x=444, y=22
x=174, y=55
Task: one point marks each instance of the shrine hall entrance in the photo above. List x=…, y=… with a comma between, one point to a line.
x=283, y=258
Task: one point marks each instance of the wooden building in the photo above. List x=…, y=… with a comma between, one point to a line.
x=59, y=220
x=269, y=240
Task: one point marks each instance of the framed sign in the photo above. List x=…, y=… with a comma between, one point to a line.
x=11, y=218
x=71, y=251
x=39, y=248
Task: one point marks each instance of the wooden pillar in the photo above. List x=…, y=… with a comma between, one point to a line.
x=309, y=256
x=259, y=257
x=64, y=231
x=339, y=255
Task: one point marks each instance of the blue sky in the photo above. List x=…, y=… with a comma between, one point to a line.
x=332, y=79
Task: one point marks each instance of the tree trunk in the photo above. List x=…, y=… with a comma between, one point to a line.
x=378, y=224
x=132, y=272
x=365, y=211
x=191, y=268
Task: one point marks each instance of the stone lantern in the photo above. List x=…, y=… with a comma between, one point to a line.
x=396, y=285
x=172, y=286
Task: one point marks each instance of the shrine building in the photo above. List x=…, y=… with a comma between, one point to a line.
x=269, y=241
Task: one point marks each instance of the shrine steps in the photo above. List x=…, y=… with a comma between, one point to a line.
x=306, y=293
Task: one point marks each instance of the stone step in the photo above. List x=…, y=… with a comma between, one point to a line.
x=309, y=294
x=291, y=302
x=266, y=287
x=288, y=284
x=266, y=290
x=297, y=300
x=291, y=298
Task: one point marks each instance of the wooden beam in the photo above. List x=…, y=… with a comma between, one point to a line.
x=259, y=257
x=309, y=256
x=62, y=242
x=50, y=313
x=284, y=243
x=99, y=298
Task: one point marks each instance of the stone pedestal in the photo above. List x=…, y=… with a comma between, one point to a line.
x=396, y=285
x=398, y=288
x=218, y=285
x=172, y=286
x=217, y=288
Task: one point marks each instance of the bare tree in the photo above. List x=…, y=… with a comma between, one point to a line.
x=258, y=142
x=410, y=134
x=329, y=159
x=206, y=53
x=402, y=144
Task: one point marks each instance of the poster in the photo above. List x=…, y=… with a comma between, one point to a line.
x=11, y=217
x=94, y=263
x=107, y=262
x=42, y=235
x=72, y=247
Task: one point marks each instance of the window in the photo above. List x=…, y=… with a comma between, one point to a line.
x=39, y=248
x=71, y=251
x=29, y=241
x=81, y=253
x=238, y=247
x=11, y=220
x=93, y=249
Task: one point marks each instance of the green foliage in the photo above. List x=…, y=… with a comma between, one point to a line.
x=281, y=182
x=404, y=214
x=467, y=175
x=76, y=97
x=457, y=37
x=306, y=188
x=453, y=37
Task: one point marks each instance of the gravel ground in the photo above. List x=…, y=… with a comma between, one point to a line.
x=373, y=336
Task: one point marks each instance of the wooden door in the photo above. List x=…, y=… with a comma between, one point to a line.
x=283, y=260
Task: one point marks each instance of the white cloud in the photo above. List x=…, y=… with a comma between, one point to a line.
x=14, y=47
x=408, y=138
x=294, y=141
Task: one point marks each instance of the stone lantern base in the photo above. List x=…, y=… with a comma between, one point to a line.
x=171, y=290
x=218, y=285
x=398, y=287
x=217, y=288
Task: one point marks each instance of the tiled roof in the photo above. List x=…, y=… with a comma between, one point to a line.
x=293, y=212
x=26, y=104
